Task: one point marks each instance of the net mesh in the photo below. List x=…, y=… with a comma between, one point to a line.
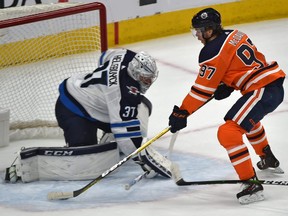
x=36, y=57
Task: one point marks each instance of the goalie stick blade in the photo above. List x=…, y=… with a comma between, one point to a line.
x=59, y=195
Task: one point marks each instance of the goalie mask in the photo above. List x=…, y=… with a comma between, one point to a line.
x=143, y=69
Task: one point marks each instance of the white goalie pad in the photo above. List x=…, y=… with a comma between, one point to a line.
x=66, y=163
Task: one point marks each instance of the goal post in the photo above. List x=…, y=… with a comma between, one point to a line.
x=40, y=46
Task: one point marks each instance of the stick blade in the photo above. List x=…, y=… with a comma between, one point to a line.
x=59, y=195
x=175, y=171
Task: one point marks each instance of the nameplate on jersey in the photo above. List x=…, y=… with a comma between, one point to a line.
x=113, y=70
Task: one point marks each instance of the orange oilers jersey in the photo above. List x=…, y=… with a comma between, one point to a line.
x=233, y=59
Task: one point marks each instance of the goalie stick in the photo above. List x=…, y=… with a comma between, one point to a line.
x=67, y=195
x=177, y=177
x=135, y=180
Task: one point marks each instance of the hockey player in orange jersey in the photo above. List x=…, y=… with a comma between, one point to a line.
x=230, y=61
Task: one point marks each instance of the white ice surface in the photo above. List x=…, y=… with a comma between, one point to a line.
x=196, y=149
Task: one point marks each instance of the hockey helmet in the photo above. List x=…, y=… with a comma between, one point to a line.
x=207, y=18
x=143, y=69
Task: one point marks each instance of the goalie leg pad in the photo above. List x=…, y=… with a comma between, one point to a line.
x=156, y=162
x=66, y=163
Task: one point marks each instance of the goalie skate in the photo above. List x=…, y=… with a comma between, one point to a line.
x=11, y=174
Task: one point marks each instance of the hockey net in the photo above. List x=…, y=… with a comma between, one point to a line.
x=40, y=46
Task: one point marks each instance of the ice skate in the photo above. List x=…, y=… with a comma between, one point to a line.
x=251, y=192
x=11, y=175
x=269, y=161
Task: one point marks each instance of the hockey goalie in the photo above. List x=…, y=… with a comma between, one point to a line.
x=111, y=100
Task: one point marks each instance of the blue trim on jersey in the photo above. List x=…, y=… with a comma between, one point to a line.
x=128, y=134
x=124, y=135
x=135, y=122
x=67, y=102
x=212, y=48
x=101, y=58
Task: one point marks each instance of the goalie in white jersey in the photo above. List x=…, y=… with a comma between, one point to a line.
x=106, y=99
x=110, y=99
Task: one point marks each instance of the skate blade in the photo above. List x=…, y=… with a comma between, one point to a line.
x=278, y=170
x=244, y=200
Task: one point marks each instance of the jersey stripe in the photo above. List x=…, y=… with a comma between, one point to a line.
x=197, y=97
x=261, y=77
x=122, y=130
x=131, y=123
x=251, y=102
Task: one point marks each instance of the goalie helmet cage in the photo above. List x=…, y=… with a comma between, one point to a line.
x=40, y=46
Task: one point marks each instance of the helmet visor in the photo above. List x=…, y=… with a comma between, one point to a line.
x=196, y=31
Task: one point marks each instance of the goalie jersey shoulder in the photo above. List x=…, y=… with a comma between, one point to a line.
x=96, y=95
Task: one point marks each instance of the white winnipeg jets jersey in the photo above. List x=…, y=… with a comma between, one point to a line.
x=108, y=95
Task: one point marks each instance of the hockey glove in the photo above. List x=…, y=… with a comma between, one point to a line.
x=223, y=91
x=178, y=119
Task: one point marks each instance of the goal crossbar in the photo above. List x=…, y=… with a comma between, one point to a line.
x=61, y=13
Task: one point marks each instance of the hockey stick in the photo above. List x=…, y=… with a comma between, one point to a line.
x=67, y=195
x=174, y=136
x=170, y=149
x=135, y=180
x=172, y=143
x=181, y=182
